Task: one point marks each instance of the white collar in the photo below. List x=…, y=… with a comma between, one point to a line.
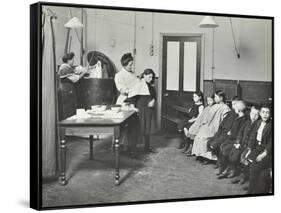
x=124, y=70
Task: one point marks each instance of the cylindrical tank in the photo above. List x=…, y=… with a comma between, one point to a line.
x=88, y=91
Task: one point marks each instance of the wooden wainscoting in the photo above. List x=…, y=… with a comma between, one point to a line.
x=254, y=92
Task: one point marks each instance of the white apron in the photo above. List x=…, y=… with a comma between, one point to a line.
x=129, y=85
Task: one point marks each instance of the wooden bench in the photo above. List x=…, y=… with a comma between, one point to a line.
x=173, y=119
x=176, y=119
x=181, y=109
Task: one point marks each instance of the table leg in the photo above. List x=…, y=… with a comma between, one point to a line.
x=63, y=180
x=91, y=147
x=116, y=146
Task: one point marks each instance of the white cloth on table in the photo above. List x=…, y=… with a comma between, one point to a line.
x=128, y=84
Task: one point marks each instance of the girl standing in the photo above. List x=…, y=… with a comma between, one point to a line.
x=146, y=104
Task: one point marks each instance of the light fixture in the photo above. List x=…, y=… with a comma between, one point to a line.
x=208, y=22
x=73, y=23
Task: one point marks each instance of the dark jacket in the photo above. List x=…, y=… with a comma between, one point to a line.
x=224, y=127
x=244, y=133
x=266, y=139
x=226, y=124
x=236, y=126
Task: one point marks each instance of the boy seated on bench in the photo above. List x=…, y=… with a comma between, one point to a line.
x=241, y=147
x=226, y=146
x=260, y=144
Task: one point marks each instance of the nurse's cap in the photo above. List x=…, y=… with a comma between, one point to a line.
x=126, y=58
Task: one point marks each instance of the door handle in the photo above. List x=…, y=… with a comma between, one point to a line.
x=166, y=94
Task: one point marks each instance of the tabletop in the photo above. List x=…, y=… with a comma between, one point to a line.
x=96, y=120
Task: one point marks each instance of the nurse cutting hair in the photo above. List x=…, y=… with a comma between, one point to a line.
x=126, y=80
x=127, y=85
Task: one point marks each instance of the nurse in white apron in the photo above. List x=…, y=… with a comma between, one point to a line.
x=125, y=79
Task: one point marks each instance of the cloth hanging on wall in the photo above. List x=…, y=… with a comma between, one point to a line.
x=48, y=100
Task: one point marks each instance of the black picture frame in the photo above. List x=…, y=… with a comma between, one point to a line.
x=36, y=180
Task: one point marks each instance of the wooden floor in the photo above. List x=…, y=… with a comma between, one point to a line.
x=167, y=174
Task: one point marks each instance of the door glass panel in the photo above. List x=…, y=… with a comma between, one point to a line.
x=189, y=66
x=173, y=65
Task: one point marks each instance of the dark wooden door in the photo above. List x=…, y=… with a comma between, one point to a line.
x=181, y=72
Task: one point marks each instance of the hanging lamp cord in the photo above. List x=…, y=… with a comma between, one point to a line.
x=233, y=36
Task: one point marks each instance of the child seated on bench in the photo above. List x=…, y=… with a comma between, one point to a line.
x=194, y=111
x=210, y=126
x=260, y=144
x=226, y=146
x=214, y=142
x=193, y=130
x=237, y=155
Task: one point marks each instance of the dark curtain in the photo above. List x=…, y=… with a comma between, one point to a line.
x=49, y=133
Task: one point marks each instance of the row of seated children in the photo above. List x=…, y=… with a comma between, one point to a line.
x=239, y=144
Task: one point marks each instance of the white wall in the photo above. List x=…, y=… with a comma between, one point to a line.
x=63, y=15
x=104, y=25
x=253, y=38
x=254, y=44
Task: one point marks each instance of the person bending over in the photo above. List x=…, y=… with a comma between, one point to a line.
x=70, y=72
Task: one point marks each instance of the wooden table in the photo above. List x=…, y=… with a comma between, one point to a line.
x=92, y=126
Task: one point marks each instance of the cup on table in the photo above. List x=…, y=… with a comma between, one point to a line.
x=94, y=107
x=116, y=108
x=80, y=112
x=103, y=107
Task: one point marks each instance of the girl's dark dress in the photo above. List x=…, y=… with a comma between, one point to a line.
x=145, y=112
x=193, y=113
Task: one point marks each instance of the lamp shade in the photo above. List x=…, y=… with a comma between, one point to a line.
x=74, y=23
x=208, y=22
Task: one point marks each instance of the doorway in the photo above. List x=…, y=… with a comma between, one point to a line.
x=181, y=68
